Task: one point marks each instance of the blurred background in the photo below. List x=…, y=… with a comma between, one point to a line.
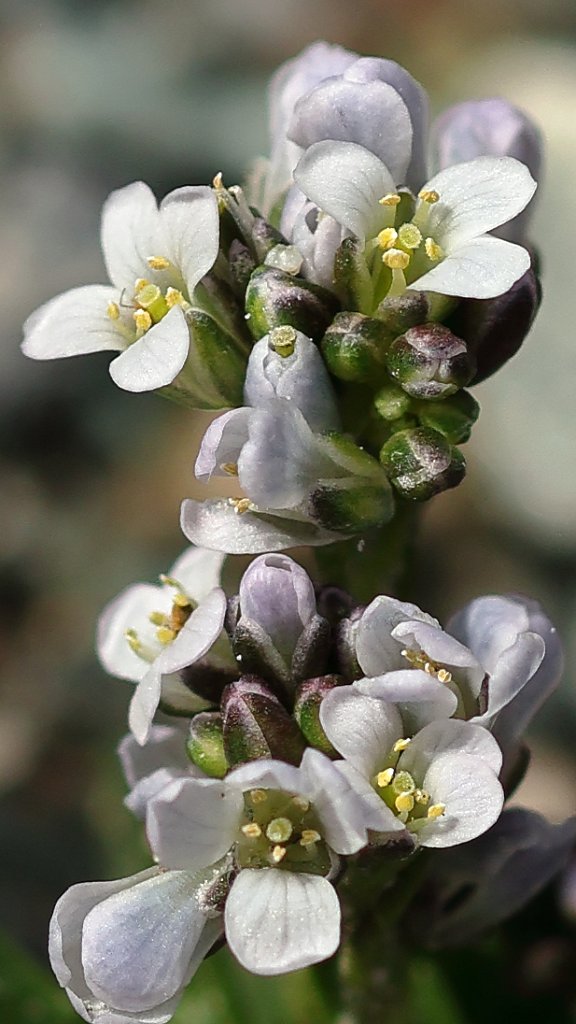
x=94, y=96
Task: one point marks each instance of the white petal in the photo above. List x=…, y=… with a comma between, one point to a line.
x=193, y=822
x=267, y=774
x=419, y=697
x=480, y=269
x=144, y=704
x=156, y=358
x=371, y=811
x=361, y=728
x=151, y=786
x=199, y=571
x=476, y=197
x=129, y=225
x=217, y=524
x=471, y=793
x=279, y=921
x=138, y=945
x=166, y=748
x=302, y=378
x=516, y=665
x=129, y=610
x=197, y=635
x=222, y=442
x=488, y=625
x=188, y=232
x=73, y=324
x=377, y=651
x=450, y=736
x=346, y=181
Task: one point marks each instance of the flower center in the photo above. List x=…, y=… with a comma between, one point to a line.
x=281, y=830
x=408, y=251
x=401, y=793
x=420, y=660
x=168, y=624
x=149, y=303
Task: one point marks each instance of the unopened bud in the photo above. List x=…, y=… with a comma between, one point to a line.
x=401, y=312
x=421, y=463
x=354, y=348
x=391, y=402
x=242, y=264
x=452, y=417
x=429, y=361
x=205, y=744
x=275, y=298
x=265, y=237
x=257, y=725
x=356, y=502
x=309, y=696
x=352, y=280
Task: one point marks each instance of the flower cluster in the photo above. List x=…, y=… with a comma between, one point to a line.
x=338, y=312
x=326, y=730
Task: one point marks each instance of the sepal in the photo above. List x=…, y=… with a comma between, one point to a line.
x=421, y=463
x=275, y=298
x=256, y=725
x=430, y=362
x=205, y=744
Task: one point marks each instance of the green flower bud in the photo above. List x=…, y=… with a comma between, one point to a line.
x=452, y=417
x=391, y=402
x=257, y=725
x=429, y=361
x=354, y=348
x=309, y=695
x=205, y=744
x=275, y=298
x=421, y=463
x=213, y=376
x=352, y=281
x=357, y=500
x=401, y=312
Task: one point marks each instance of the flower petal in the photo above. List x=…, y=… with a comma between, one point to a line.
x=362, y=729
x=197, y=636
x=419, y=697
x=166, y=748
x=144, y=704
x=480, y=269
x=156, y=358
x=73, y=324
x=279, y=595
x=279, y=921
x=450, y=736
x=471, y=793
x=129, y=610
x=191, y=823
x=376, y=649
x=301, y=377
x=222, y=443
x=129, y=225
x=199, y=571
x=267, y=774
x=346, y=181
x=188, y=232
x=217, y=524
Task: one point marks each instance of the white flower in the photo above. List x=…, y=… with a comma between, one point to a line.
x=437, y=242
x=148, y=634
x=155, y=258
x=281, y=827
x=441, y=782
x=124, y=950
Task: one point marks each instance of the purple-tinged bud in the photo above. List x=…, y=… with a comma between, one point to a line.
x=452, y=417
x=312, y=650
x=257, y=725
x=309, y=696
x=242, y=265
x=275, y=299
x=264, y=237
x=494, y=329
x=354, y=348
x=205, y=744
x=400, y=312
x=334, y=604
x=278, y=595
x=421, y=463
x=430, y=362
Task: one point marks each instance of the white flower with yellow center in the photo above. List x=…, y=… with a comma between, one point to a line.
x=435, y=242
x=155, y=258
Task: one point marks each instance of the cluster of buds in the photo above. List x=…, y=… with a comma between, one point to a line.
x=338, y=309
x=327, y=731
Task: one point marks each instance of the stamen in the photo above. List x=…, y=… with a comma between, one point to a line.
x=400, y=745
x=278, y=854
x=309, y=837
x=143, y=320
x=158, y=262
x=301, y=803
x=157, y=618
x=217, y=181
x=429, y=195
x=396, y=259
x=258, y=796
x=390, y=199
x=279, y=830
x=231, y=468
x=113, y=310
x=387, y=238
x=241, y=505
x=282, y=340
x=404, y=803
x=434, y=251
x=140, y=283
x=133, y=642
x=409, y=236
x=252, y=830
x=436, y=811
x=166, y=635
x=444, y=676
x=421, y=796
x=384, y=778
x=174, y=298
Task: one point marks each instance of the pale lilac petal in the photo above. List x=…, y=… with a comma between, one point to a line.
x=301, y=377
x=279, y=595
x=156, y=358
x=471, y=793
x=479, y=269
x=346, y=181
x=73, y=324
x=129, y=610
x=222, y=443
x=450, y=736
x=129, y=225
x=516, y=665
x=377, y=651
x=419, y=697
x=216, y=524
x=192, y=823
x=188, y=232
x=361, y=728
x=166, y=748
x=476, y=197
x=278, y=921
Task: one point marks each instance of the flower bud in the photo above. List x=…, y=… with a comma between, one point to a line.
x=241, y=264
x=205, y=744
x=308, y=699
x=354, y=348
x=421, y=463
x=357, y=501
x=278, y=595
x=214, y=373
x=392, y=403
x=275, y=298
x=352, y=281
x=256, y=725
x=400, y=312
x=429, y=361
x=265, y=237
x=452, y=417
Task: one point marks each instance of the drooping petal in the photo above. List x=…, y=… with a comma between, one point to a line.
x=476, y=197
x=217, y=524
x=516, y=665
x=472, y=796
x=450, y=736
x=129, y=610
x=197, y=636
x=188, y=232
x=479, y=269
x=376, y=649
x=444, y=651
x=278, y=594
x=301, y=377
x=192, y=823
x=156, y=358
x=165, y=749
x=362, y=729
x=144, y=704
x=128, y=230
x=278, y=921
x=148, y=788
x=346, y=181
x=222, y=443
x=73, y=324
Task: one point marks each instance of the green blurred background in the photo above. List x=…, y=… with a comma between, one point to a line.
x=93, y=96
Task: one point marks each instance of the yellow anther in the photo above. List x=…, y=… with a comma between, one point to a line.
x=182, y=600
x=217, y=181
x=404, y=802
x=385, y=778
x=241, y=505
x=258, y=796
x=174, y=298
x=309, y=837
x=387, y=238
x=113, y=310
x=252, y=830
x=434, y=251
x=279, y=830
x=390, y=199
x=143, y=320
x=400, y=745
x=140, y=283
x=429, y=195
x=231, y=468
x=157, y=618
x=158, y=262
x=282, y=340
x=396, y=259
x=278, y=854
x=166, y=635
x=301, y=803
x=444, y=676
x=436, y=811
x=421, y=796
x=409, y=236
x=133, y=642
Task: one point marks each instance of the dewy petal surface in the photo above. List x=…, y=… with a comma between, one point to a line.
x=73, y=324
x=188, y=232
x=480, y=269
x=128, y=232
x=279, y=921
x=193, y=822
x=216, y=524
x=156, y=358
